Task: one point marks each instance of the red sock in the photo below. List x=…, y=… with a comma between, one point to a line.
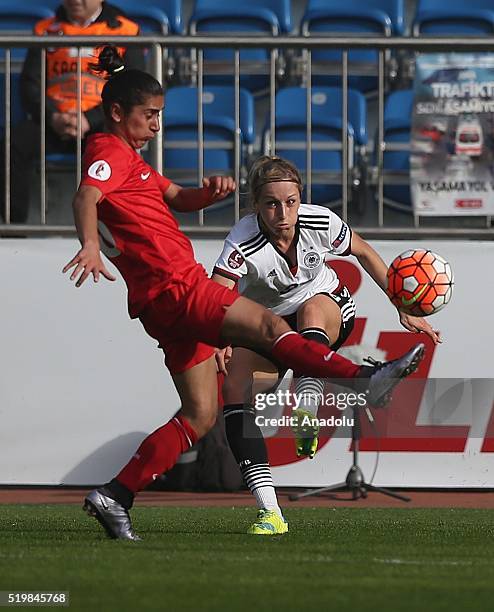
x=309, y=358
x=157, y=453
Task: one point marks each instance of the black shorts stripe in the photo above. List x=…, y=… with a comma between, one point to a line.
x=347, y=312
x=346, y=316
x=348, y=309
x=350, y=305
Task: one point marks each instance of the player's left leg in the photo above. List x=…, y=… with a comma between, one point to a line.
x=246, y=438
x=160, y=450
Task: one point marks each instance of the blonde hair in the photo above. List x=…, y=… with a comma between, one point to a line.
x=268, y=169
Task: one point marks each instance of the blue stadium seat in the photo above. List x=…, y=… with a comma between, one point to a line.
x=398, y=111
x=351, y=18
x=326, y=151
x=460, y=17
x=52, y=5
x=156, y=17
x=173, y=10
x=152, y=17
x=181, y=131
x=19, y=18
x=258, y=17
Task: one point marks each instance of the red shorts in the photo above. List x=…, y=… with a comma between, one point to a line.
x=187, y=322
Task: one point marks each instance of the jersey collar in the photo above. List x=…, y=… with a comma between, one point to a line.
x=267, y=235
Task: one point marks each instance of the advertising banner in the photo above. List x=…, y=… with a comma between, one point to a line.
x=452, y=138
x=82, y=384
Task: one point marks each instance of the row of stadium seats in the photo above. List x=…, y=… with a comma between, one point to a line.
x=181, y=135
x=274, y=18
x=180, y=120
x=180, y=146
x=384, y=17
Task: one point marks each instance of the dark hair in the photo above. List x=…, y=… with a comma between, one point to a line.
x=268, y=169
x=127, y=87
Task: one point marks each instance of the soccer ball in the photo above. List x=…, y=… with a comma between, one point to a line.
x=419, y=282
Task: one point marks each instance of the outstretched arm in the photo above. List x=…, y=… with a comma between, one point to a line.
x=88, y=259
x=372, y=263
x=190, y=199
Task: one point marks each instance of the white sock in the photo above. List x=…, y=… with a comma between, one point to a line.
x=309, y=392
x=260, y=482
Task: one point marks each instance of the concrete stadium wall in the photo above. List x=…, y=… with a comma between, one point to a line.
x=81, y=384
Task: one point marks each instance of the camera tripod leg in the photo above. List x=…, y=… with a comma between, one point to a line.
x=309, y=492
x=384, y=491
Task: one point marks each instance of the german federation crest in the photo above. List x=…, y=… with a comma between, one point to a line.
x=312, y=259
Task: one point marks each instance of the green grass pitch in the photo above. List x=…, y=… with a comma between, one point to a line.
x=201, y=559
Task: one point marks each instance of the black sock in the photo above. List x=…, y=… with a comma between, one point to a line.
x=244, y=435
x=118, y=492
x=249, y=448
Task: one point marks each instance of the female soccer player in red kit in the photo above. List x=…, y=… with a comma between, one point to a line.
x=122, y=207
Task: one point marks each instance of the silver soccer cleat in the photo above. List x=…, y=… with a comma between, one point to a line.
x=111, y=515
x=388, y=374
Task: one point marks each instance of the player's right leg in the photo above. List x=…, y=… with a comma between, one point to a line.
x=159, y=451
x=250, y=325
x=218, y=316
x=246, y=438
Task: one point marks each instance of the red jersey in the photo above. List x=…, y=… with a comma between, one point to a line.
x=137, y=231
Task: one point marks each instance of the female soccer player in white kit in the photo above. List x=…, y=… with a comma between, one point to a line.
x=277, y=256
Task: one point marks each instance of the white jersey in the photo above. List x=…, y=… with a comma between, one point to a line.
x=265, y=275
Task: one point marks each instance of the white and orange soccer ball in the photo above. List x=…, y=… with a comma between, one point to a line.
x=420, y=282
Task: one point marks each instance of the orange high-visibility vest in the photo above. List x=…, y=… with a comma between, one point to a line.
x=61, y=63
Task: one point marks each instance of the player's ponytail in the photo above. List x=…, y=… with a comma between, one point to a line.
x=109, y=61
x=268, y=169
x=126, y=87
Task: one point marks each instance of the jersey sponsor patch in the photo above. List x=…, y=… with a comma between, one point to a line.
x=99, y=170
x=312, y=260
x=341, y=236
x=235, y=260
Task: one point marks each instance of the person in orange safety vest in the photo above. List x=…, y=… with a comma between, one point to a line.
x=72, y=18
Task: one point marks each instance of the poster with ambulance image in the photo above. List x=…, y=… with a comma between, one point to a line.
x=452, y=136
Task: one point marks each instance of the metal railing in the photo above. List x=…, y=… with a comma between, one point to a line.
x=161, y=62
